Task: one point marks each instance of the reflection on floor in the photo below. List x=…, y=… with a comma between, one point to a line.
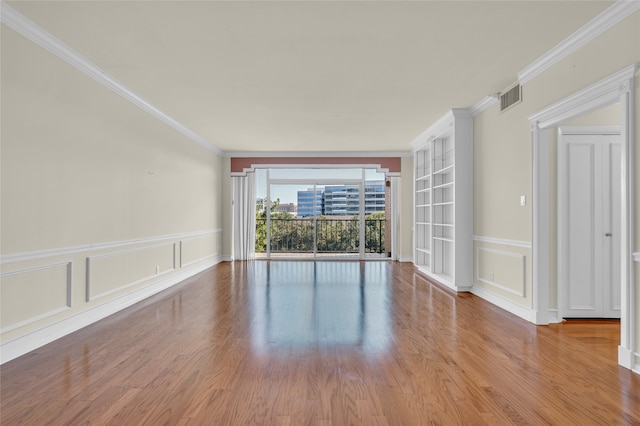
x=304, y=304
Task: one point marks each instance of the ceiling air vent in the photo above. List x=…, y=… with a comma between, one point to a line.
x=510, y=97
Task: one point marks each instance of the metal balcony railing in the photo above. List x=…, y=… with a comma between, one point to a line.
x=296, y=235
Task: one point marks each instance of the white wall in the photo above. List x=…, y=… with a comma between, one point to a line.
x=102, y=204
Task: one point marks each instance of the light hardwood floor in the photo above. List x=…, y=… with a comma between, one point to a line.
x=326, y=343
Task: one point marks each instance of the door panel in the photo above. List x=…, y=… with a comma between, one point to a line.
x=589, y=225
x=583, y=217
x=613, y=244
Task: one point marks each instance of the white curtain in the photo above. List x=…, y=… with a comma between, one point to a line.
x=244, y=216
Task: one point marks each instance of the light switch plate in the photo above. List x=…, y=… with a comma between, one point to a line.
x=523, y=200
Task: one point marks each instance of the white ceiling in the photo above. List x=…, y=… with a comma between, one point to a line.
x=311, y=76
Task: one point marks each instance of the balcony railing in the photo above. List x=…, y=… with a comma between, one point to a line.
x=296, y=235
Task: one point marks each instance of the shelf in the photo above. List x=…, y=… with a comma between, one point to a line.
x=443, y=170
x=444, y=155
x=447, y=240
x=423, y=205
x=444, y=185
x=443, y=225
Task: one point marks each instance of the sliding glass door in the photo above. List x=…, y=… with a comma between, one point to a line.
x=310, y=213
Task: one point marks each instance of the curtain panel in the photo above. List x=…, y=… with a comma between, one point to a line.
x=244, y=216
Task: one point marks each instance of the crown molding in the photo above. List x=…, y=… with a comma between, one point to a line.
x=483, y=104
x=316, y=154
x=441, y=125
x=30, y=30
x=604, y=92
x=610, y=17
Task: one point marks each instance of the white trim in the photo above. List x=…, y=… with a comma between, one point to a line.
x=509, y=306
x=609, y=18
x=197, y=260
x=316, y=154
x=293, y=181
x=589, y=130
x=636, y=363
x=483, y=104
x=636, y=256
x=617, y=88
x=625, y=357
x=182, y=265
x=502, y=241
x=405, y=259
x=554, y=316
x=253, y=168
x=90, y=297
x=440, y=127
x=29, y=29
x=24, y=344
x=603, y=93
x=443, y=280
x=523, y=278
x=65, y=251
x=69, y=266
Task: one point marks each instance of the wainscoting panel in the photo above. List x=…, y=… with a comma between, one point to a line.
x=42, y=297
x=502, y=274
x=112, y=272
x=32, y=294
x=502, y=270
x=198, y=248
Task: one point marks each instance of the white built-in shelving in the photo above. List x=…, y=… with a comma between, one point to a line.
x=444, y=200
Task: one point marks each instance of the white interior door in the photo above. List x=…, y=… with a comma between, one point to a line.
x=589, y=179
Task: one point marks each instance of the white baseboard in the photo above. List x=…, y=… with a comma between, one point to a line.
x=554, y=316
x=405, y=259
x=27, y=343
x=509, y=306
x=625, y=358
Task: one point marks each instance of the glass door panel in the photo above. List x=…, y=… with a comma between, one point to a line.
x=338, y=229
x=377, y=229
x=324, y=213
x=291, y=220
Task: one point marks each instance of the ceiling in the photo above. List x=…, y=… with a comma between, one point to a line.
x=299, y=76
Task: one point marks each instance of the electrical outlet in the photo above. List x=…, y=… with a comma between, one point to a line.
x=491, y=277
x=157, y=270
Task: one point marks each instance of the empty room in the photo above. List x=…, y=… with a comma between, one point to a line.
x=320, y=212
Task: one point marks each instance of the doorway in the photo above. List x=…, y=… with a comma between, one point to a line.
x=589, y=203
x=616, y=88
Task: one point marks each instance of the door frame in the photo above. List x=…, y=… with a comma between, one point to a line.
x=561, y=206
x=618, y=88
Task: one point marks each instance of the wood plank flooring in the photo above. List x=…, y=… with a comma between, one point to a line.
x=326, y=343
